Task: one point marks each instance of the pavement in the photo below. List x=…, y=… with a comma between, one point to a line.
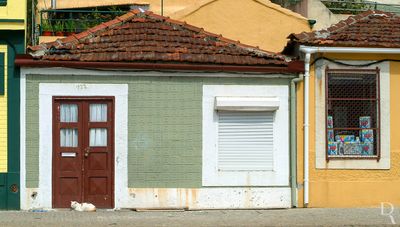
x=278, y=217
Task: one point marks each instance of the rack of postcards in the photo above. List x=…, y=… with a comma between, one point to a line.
x=351, y=143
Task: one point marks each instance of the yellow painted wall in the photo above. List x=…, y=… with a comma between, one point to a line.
x=15, y=9
x=353, y=188
x=254, y=22
x=3, y=119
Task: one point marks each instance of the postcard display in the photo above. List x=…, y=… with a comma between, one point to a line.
x=350, y=144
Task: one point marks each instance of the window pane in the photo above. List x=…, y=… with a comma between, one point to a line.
x=347, y=113
x=353, y=113
x=68, y=137
x=69, y=113
x=345, y=85
x=98, y=112
x=98, y=137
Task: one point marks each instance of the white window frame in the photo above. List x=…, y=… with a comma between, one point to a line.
x=320, y=141
x=279, y=176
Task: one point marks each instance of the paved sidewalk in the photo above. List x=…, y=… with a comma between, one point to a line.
x=290, y=217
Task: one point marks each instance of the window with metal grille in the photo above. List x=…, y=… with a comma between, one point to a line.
x=352, y=113
x=245, y=141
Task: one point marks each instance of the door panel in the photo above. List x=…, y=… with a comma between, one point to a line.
x=83, y=151
x=99, y=156
x=67, y=176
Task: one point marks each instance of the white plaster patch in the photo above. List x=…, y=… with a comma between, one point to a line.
x=384, y=162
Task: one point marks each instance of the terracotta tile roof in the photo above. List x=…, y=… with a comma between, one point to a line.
x=148, y=37
x=368, y=29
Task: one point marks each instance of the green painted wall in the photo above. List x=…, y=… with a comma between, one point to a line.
x=32, y=134
x=164, y=132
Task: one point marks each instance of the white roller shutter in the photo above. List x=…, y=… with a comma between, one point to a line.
x=246, y=103
x=245, y=141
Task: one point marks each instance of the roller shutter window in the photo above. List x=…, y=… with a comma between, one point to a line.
x=245, y=141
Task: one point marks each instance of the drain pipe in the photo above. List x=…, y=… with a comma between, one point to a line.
x=293, y=140
x=306, y=125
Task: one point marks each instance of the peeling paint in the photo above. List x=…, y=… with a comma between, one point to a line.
x=209, y=198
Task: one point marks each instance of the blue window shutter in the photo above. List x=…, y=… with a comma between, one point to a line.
x=2, y=79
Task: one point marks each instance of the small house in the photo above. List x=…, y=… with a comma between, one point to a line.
x=148, y=112
x=349, y=140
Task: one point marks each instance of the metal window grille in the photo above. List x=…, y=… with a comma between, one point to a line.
x=352, y=114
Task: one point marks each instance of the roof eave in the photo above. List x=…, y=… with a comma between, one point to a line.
x=293, y=66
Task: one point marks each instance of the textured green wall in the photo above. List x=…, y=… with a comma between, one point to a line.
x=32, y=134
x=164, y=132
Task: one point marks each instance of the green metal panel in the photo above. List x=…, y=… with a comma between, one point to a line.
x=6, y=20
x=3, y=191
x=2, y=179
x=165, y=126
x=13, y=188
x=15, y=41
x=9, y=182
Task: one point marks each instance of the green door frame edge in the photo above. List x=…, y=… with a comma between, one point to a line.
x=15, y=41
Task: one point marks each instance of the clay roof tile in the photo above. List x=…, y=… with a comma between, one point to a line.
x=367, y=29
x=148, y=37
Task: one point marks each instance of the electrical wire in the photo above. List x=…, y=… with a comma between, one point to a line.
x=355, y=65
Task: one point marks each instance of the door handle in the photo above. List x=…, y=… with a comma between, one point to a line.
x=87, y=152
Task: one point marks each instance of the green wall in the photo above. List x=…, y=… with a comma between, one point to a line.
x=164, y=132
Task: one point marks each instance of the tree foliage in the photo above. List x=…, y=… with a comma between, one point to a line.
x=347, y=6
x=285, y=3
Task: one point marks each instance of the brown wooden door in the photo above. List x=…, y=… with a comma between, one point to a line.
x=83, y=151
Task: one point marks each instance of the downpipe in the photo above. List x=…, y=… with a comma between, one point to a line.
x=306, y=125
x=293, y=140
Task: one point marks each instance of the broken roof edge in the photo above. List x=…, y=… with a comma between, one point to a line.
x=28, y=61
x=41, y=49
x=342, y=24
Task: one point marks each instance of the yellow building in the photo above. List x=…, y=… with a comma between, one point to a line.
x=12, y=33
x=348, y=130
x=254, y=22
